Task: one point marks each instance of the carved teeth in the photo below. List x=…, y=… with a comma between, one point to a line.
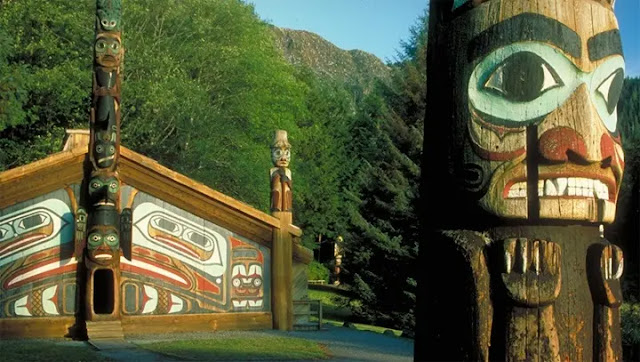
x=550, y=188
x=563, y=186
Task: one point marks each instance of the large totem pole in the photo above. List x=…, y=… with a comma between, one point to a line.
x=523, y=164
x=281, y=208
x=102, y=247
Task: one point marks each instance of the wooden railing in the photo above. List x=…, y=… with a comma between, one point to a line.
x=308, y=312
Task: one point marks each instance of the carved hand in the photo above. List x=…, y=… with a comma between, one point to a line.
x=532, y=274
x=605, y=270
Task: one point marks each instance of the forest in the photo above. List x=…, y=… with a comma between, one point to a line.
x=205, y=86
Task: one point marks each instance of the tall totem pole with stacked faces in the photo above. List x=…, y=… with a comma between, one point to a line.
x=523, y=164
x=101, y=236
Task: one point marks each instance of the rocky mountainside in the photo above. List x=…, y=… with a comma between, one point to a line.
x=305, y=48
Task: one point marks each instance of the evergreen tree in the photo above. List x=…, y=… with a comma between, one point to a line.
x=382, y=245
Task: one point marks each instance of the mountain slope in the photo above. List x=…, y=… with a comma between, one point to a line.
x=301, y=47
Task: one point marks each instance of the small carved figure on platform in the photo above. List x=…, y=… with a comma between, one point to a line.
x=281, y=199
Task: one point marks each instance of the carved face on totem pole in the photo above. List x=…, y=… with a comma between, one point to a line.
x=535, y=101
x=103, y=244
x=103, y=190
x=108, y=15
x=108, y=50
x=105, y=148
x=281, y=150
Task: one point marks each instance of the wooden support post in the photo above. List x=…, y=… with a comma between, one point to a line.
x=282, y=257
x=282, y=267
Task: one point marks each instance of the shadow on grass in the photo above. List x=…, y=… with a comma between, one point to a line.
x=47, y=350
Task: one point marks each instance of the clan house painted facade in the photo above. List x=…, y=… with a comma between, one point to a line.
x=98, y=241
x=196, y=259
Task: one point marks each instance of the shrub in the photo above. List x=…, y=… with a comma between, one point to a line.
x=318, y=271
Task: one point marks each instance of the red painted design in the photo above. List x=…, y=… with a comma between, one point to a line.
x=15, y=244
x=554, y=144
x=496, y=156
x=608, y=149
x=44, y=254
x=152, y=274
x=205, y=285
x=61, y=269
x=177, y=246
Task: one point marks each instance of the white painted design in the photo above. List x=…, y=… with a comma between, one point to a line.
x=152, y=302
x=148, y=214
x=43, y=269
x=52, y=212
x=47, y=304
x=141, y=264
x=20, y=307
x=255, y=303
x=239, y=303
x=176, y=304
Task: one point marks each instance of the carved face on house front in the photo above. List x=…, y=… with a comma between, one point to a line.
x=541, y=82
x=103, y=244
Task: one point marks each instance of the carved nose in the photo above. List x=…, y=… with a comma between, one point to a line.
x=558, y=143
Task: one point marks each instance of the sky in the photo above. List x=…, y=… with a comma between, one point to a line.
x=379, y=26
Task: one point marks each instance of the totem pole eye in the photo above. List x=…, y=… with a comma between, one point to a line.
x=100, y=45
x=95, y=239
x=523, y=77
x=611, y=88
x=112, y=150
x=104, y=23
x=95, y=184
x=113, y=186
x=99, y=148
x=113, y=23
x=115, y=46
x=111, y=239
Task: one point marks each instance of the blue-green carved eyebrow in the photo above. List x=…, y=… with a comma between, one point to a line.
x=525, y=27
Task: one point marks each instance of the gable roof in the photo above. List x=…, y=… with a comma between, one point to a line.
x=145, y=174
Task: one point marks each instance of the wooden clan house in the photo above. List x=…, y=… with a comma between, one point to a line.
x=100, y=241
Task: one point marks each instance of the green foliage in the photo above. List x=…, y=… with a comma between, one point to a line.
x=45, y=57
x=630, y=319
x=382, y=242
x=317, y=271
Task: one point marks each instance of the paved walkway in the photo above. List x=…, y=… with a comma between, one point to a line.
x=344, y=344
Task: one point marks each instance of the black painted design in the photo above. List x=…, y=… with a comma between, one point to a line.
x=523, y=77
x=507, y=122
x=126, y=221
x=615, y=89
x=525, y=27
x=604, y=44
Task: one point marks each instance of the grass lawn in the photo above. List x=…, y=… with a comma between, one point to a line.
x=336, y=312
x=245, y=349
x=47, y=350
